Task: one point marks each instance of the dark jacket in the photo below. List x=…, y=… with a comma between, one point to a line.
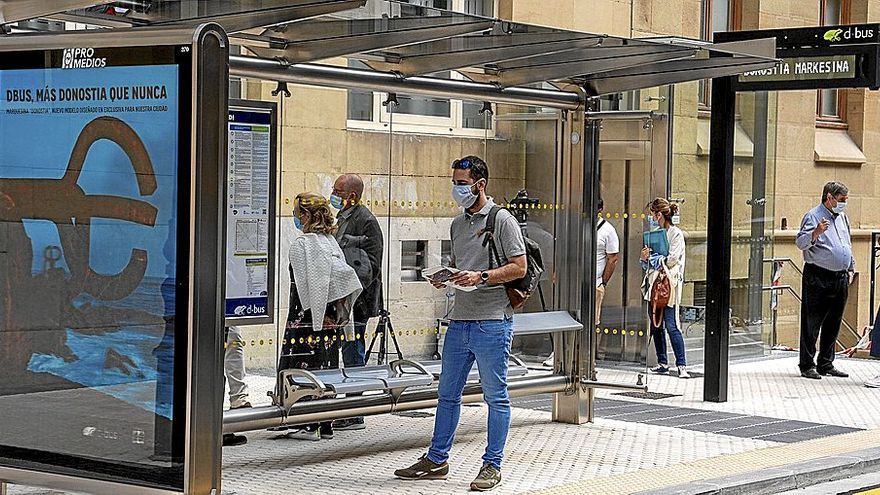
x=360, y=238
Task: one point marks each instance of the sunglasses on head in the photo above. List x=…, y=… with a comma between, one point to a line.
x=462, y=164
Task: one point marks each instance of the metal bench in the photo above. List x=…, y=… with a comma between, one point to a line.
x=393, y=378
x=515, y=368
x=546, y=322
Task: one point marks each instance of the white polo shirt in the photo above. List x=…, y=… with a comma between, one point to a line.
x=606, y=243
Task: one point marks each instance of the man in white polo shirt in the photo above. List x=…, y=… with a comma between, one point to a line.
x=607, y=257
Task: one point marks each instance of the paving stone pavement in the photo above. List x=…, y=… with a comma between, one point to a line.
x=552, y=457
x=774, y=388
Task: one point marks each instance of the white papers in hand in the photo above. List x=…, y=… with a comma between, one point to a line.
x=442, y=274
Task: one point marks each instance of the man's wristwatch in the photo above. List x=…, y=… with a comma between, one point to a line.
x=484, y=277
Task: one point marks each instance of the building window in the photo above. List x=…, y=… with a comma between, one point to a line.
x=446, y=252
x=831, y=103
x=420, y=113
x=717, y=16
x=412, y=260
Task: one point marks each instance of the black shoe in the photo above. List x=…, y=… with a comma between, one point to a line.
x=425, y=469
x=326, y=431
x=349, y=424
x=488, y=479
x=233, y=440
x=834, y=372
x=811, y=374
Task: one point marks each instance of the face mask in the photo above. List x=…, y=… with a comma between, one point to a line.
x=297, y=223
x=841, y=206
x=464, y=196
x=336, y=201
x=653, y=223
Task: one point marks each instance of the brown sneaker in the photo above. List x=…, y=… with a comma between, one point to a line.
x=489, y=478
x=425, y=469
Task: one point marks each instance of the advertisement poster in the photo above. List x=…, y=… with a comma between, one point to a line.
x=250, y=193
x=88, y=258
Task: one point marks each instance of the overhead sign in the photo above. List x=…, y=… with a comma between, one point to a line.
x=250, y=210
x=806, y=69
x=814, y=58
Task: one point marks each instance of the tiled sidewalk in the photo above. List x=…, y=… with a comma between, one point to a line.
x=608, y=456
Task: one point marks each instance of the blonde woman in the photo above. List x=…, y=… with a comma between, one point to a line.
x=323, y=289
x=665, y=320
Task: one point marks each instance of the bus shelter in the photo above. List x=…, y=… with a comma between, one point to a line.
x=525, y=97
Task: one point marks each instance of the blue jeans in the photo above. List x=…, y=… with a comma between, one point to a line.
x=675, y=336
x=354, y=351
x=488, y=343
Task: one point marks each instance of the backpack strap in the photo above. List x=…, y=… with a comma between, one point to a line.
x=489, y=236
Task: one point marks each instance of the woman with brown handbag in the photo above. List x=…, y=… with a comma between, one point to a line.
x=662, y=287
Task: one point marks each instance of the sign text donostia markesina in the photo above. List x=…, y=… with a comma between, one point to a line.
x=805, y=68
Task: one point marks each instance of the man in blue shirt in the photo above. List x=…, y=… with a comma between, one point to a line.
x=824, y=238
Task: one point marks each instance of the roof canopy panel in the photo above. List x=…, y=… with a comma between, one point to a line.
x=408, y=40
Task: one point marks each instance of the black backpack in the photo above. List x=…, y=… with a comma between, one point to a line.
x=518, y=291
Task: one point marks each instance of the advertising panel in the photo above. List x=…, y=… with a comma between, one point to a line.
x=94, y=198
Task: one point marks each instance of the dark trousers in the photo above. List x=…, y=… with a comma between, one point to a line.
x=658, y=333
x=354, y=351
x=824, y=299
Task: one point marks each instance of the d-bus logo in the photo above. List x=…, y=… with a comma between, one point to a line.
x=82, y=58
x=850, y=33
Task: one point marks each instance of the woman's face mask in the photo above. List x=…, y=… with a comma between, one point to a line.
x=297, y=223
x=653, y=223
x=464, y=195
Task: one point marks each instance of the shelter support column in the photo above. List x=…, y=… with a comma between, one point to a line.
x=574, y=350
x=720, y=209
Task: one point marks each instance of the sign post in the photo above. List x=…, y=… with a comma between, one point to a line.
x=810, y=58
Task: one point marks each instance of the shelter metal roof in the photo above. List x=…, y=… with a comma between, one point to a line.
x=408, y=40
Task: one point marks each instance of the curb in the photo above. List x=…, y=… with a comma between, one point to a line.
x=783, y=478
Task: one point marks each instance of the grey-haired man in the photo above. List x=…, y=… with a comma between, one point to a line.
x=825, y=240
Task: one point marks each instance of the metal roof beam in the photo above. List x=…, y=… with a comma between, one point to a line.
x=592, y=61
x=22, y=10
x=351, y=78
x=312, y=40
x=242, y=21
x=677, y=71
x=469, y=51
x=233, y=15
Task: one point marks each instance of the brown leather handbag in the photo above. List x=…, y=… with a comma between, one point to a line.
x=661, y=292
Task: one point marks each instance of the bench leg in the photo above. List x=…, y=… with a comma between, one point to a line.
x=575, y=408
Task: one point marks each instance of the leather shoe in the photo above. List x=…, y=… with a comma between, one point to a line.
x=811, y=374
x=834, y=372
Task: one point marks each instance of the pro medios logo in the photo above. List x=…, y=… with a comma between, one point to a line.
x=849, y=33
x=82, y=58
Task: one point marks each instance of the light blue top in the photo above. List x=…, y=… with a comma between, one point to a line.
x=833, y=249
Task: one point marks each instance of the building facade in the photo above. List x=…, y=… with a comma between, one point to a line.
x=810, y=137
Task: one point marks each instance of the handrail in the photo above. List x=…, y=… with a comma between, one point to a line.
x=786, y=260
x=797, y=296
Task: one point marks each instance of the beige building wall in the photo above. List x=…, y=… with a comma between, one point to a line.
x=318, y=145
